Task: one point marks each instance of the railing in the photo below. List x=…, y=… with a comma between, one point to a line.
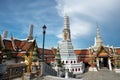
x=13, y=71
x=47, y=70
x=17, y=70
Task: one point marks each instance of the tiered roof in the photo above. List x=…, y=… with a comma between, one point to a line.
x=17, y=47
x=49, y=54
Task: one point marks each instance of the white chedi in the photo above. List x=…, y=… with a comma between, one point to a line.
x=68, y=57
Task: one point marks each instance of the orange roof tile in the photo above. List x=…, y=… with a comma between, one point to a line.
x=17, y=43
x=26, y=46
x=118, y=50
x=21, y=44
x=20, y=54
x=46, y=51
x=84, y=59
x=40, y=50
x=103, y=55
x=81, y=52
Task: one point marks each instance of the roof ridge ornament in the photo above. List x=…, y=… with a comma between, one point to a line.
x=30, y=35
x=13, y=42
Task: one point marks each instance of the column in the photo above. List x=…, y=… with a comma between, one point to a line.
x=57, y=69
x=98, y=63
x=42, y=68
x=81, y=70
x=109, y=63
x=66, y=74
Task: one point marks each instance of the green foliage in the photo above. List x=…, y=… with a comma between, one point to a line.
x=92, y=62
x=9, y=56
x=117, y=64
x=1, y=47
x=59, y=63
x=6, y=50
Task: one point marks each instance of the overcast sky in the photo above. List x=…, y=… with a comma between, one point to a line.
x=17, y=15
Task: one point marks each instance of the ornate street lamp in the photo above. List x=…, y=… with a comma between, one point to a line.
x=42, y=61
x=44, y=31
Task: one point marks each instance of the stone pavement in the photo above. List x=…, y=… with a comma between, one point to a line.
x=56, y=78
x=100, y=75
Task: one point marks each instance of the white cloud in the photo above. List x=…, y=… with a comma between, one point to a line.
x=80, y=28
x=36, y=12
x=85, y=13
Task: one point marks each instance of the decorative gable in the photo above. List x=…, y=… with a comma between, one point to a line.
x=102, y=52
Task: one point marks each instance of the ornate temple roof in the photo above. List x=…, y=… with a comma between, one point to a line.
x=17, y=46
x=47, y=51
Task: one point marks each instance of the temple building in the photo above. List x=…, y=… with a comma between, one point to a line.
x=19, y=50
x=68, y=57
x=95, y=57
x=14, y=49
x=100, y=56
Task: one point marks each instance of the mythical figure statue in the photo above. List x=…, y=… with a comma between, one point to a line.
x=28, y=62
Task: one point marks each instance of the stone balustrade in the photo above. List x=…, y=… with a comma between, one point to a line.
x=13, y=71
x=47, y=70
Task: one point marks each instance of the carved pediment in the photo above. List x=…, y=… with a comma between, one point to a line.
x=102, y=52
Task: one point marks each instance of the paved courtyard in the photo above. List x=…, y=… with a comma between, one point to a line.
x=104, y=74
x=100, y=75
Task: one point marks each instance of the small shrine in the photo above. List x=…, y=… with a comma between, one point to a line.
x=101, y=56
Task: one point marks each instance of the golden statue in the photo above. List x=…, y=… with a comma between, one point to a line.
x=28, y=62
x=65, y=35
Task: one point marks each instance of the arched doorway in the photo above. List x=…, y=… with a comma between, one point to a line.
x=103, y=61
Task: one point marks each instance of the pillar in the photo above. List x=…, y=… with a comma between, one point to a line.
x=81, y=70
x=109, y=63
x=98, y=63
x=66, y=74
x=42, y=68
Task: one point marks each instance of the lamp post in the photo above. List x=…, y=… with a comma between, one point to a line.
x=42, y=61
